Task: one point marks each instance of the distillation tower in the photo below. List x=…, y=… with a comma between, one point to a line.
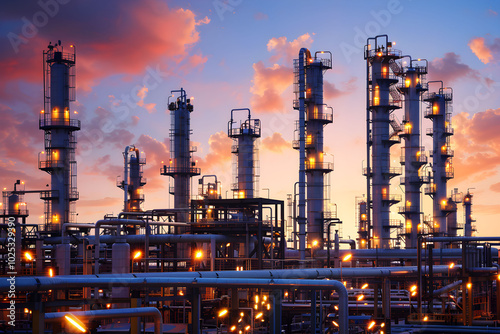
x=467, y=204
x=58, y=159
x=412, y=154
x=181, y=166
x=439, y=111
x=380, y=105
x=133, y=181
x=313, y=116
x=247, y=163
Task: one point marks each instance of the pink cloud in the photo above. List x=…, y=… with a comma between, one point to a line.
x=219, y=152
x=155, y=151
x=276, y=143
x=495, y=187
x=450, y=68
x=486, y=49
x=259, y=16
x=268, y=85
x=477, y=144
x=141, y=94
x=139, y=40
x=286, y=51
x=331, y=91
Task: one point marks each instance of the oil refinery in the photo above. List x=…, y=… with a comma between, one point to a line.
x=247, y=263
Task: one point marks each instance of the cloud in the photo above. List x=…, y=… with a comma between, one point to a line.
x=491, y=12
x=138, y=38
x=259, y=16
x=219, y=152
x=155, y=151
x=141, y=94
x=450, y=68
x=487, y=50
x=268, y=85
x=477, y=145
x=495, y=187
x=286, y=51
x=276, y=143
x=101, y=202
x=331, y=91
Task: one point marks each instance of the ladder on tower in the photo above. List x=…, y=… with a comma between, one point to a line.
x=397, y=128
x=395, y=67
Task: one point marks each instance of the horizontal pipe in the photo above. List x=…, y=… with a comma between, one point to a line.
x=68, y=282
x=112, y=313
x=447, y=288
x=456, y=239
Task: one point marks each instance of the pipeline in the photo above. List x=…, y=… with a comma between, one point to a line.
x=112, y=313
x=124, y=280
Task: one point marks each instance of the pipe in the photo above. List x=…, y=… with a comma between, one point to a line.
x=447, y=288
x=112, y=313
x=60, y=282
x=301, y=219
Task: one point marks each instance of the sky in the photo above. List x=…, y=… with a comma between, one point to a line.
x=231, y=54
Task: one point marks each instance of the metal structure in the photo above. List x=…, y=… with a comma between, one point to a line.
x=233, y=265
x=132, y=181
x=313, y=116
x=412, y=154
x=59, y=126
x=439, y=111
x=246, y=171
x=181, y=166
x=382, y=73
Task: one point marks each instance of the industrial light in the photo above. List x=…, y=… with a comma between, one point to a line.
x=335, y=323
x=222, y=312
x=75, y=322
x=137, y=255
x=413, y=288
x=315, y=243
x=361, y=297
x=28, y=256
x=247, y=328
x=347, y=257
x=258, y=315
x=426, y=318
x=233, y=328
x=469, y=285
x=198, y=254
x=51, y=272
x=370, y=326
x=451, y=265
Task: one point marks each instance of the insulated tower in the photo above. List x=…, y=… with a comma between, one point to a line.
x=58, y=159
x=313, y=116
x=439, y=111
x=412, y=154
x=180, y=167
x=468, y=227
x=247, y=163
x=380, y=59
x=132, y=181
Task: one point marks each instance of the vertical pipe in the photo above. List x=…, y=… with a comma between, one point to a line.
x=301, y=219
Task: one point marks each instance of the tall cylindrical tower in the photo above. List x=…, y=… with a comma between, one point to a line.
x=56, y=120
x=467, y=203
x=413, y=152
x=313, y=116
x=246, y=173
x=380, y=58
x=181, y=167
x=133, y=181
x=439, y=111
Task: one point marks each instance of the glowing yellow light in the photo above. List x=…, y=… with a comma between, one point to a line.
x=370, y=326
x=26, y=310
x=407, y=83
x=265, y=298
x=76, y=322
x=28, y=256
x=336, y=308
x=198, y=255
x=315, y=243
x=258, y=315
x=51, y=272
x=137, y=255
x=469, y=285
x=426, y=318
x=347, y=257
x=181, y=293
x=451, y=265
x=413, y=288
x=223, y=312
x=364, y=286
x=268, y=306
x=42, y=111
x=361, y=297
x=382, y=325
x=379, y=54
x=100, y=290
x=256, y=307
x=241, y=194
x=247, y=328
x=108, y=305
x=435, y=109
x=233, y=328
x=414, y=293
x=256, y=298
x=335, y=323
